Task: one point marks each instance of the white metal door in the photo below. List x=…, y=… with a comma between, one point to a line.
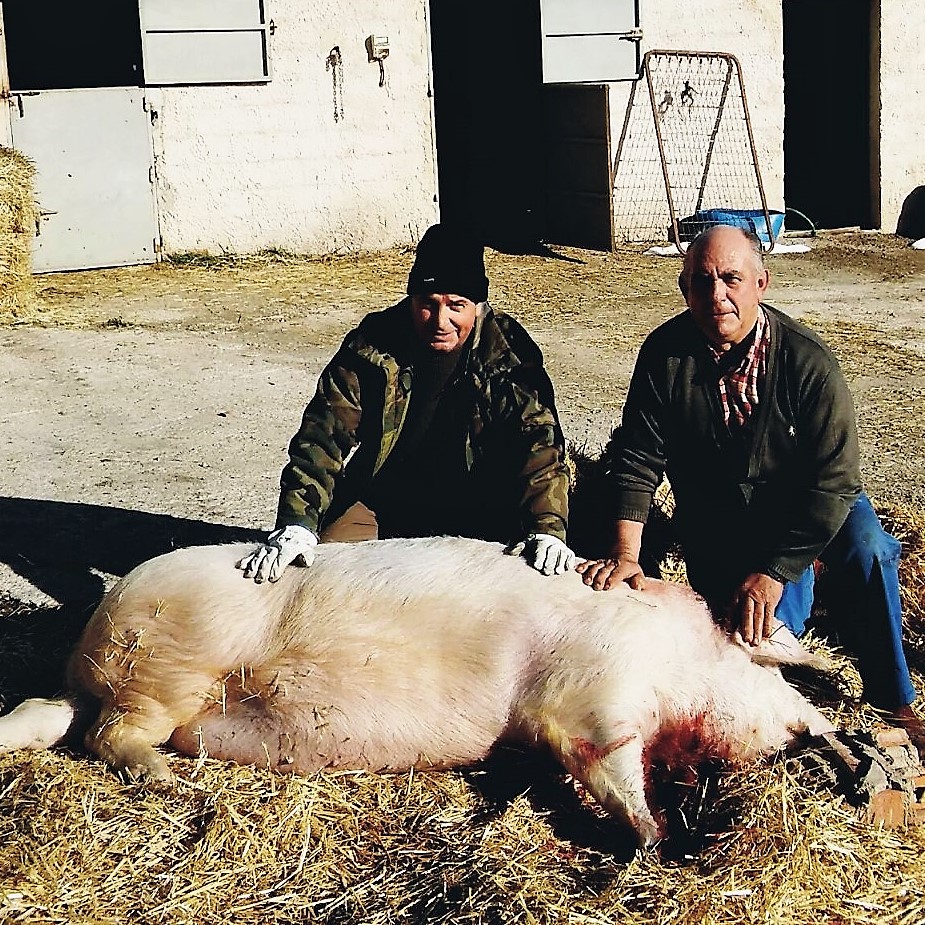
x=589, y=41
x=94, y=175
x=204, y=42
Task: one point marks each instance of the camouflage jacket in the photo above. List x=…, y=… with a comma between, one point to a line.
x=356, y=415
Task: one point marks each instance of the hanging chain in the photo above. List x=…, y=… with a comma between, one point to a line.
x=335, y=64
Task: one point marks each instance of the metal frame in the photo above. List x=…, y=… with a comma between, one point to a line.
x=733, y=68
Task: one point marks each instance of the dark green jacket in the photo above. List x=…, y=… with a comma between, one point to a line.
x=768, y=502
x=511, y=429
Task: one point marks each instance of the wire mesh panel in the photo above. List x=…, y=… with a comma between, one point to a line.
x=686, y=158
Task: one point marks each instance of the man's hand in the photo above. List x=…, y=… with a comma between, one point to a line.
x=604, y=574
x=546, y=553
x=282, y=547
x=753, y=606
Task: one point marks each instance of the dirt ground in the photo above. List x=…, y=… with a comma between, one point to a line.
x=151, y=406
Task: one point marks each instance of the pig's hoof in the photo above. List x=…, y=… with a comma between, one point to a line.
x=137, y=774
x=150, y=769
x=648, y=832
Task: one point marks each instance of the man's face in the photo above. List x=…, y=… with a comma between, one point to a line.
x=443, y=321
x=724, y=285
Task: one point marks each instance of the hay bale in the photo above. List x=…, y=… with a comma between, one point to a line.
x=18, y=214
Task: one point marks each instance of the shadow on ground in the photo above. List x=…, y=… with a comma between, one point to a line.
x=687, y=806
x=67, y=551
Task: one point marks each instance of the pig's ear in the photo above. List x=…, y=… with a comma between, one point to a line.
x=782, y=648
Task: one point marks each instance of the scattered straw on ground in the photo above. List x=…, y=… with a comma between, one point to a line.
x=241, y=845
x=619, y=296
x=907, y=524
x=510, y=843
x=274, y=289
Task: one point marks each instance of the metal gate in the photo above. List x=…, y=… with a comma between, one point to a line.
x=94, y=175
x=686, y=157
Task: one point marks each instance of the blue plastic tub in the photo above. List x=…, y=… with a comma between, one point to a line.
x=749, y=219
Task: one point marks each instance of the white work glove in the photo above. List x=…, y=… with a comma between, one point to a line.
x=547, y=554
x=282, y=547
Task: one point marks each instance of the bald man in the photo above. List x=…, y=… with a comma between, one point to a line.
x=750, y=417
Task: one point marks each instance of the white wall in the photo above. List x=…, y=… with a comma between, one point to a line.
x=902, y=105
x=241, y=168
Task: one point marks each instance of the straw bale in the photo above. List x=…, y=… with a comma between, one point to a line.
x=18, y=214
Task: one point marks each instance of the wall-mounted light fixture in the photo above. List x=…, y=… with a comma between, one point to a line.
x=377, y=49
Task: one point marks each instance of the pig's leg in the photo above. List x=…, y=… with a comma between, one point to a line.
x=615, y=777
x=292, y=719
x=251, y=732
x=141, y=714
x=37, y=723
x=273, y=717
x=127, y=741
x=294, y=715
x=607, y=758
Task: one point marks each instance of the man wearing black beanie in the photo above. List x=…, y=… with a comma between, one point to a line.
x=435, y=417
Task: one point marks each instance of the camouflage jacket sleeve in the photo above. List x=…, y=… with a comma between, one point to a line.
x=318, y=451
x=523, y=408
x=544, y=476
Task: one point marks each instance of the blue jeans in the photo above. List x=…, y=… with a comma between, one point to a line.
x=863, y=560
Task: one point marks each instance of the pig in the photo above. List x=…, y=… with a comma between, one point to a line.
x=423, y=653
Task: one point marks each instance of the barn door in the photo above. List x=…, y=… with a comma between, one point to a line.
x=579, y=202
x=77, y=111
x=828, y=105
x=94, y=175
x=587, y=44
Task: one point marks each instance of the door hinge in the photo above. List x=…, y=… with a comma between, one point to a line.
x=18, y=96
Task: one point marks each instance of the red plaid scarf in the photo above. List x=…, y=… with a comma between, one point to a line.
x=739, y=385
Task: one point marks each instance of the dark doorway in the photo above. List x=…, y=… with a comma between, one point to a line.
x=487, y=64
x=827, y=98
x=65, y=45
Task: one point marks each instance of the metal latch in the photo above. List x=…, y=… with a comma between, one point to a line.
x=19, y=95
x=43, y=213
x=633, y=36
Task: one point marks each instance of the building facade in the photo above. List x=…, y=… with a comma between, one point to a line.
x=168, y=126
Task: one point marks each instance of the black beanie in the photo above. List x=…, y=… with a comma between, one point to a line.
x=449, y=259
